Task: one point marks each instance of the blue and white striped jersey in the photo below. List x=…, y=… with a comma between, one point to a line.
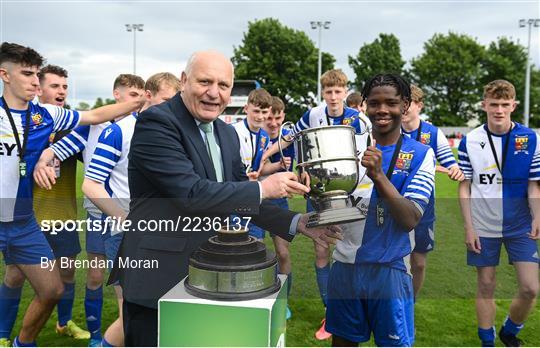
x=433, y=137
x=499, y=204
x=16, y=192
x=81, y=139
x=318, y=117
x=109, y=163
x=365, y=242
x=252, y=145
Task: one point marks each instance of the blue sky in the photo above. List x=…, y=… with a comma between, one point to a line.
x=90, y=40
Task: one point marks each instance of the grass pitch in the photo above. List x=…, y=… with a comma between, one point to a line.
x=445, y=314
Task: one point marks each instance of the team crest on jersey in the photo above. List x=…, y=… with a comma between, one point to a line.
x=347, y=121
x=425, y=138
x=404, y=160
x=37, y=118
x=522, y=144
x=263, y=142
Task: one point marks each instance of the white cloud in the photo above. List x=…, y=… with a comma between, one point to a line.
x=89, y=38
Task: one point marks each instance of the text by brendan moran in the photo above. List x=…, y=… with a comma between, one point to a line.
x=122, y=262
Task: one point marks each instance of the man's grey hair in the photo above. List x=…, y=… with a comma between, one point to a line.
x=193, y=58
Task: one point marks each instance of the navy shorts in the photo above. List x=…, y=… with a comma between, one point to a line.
x=424, y=237
x=94, y=241
x=309, y=206
x=65, y=243
x=256, y=231
x=111, y=244
x=370, y=298
x=23, y=243
x=519, y=249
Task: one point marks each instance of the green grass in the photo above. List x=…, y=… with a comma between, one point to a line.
x=445, y=314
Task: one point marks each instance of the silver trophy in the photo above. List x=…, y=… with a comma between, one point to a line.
x=328, y=162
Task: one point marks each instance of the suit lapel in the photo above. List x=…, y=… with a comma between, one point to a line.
x=193, y=134
x=225, y=153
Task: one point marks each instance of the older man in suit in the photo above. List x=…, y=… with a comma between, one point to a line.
x=185, y=162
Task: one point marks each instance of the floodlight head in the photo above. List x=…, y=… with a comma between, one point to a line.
x=537, y=23
x=521, y=23
x=313, y=25
x=140, y=27
x=327, y=25
x=128, y=27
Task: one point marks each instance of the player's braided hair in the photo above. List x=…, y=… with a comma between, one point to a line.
x=401, y=85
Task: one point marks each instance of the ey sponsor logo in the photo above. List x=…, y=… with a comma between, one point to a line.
x=521, y=144
x=404, y=160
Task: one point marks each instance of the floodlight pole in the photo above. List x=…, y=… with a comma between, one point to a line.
x=319, y=25
x=522, y=23
x=134, y=28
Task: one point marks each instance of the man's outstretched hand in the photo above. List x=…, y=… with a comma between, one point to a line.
x=324, y=236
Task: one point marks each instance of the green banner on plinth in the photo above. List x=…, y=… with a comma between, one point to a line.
x=185, y=320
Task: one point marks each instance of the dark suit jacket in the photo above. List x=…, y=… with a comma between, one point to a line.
x=171, y=176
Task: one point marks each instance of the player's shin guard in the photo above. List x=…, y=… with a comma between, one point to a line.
x=65, y=305
x=9, y=306
x=93, y=303
x=322, y=281
x=511, y=328
x=487, y=336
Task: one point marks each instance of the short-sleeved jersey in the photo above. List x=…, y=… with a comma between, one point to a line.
x=61, y=201
x=433, y=137
x=318, y=117
x=252, y=145
x=109, y=163
x=369, y=242
x=81, y=139
x=499, y=205
x=15, y=191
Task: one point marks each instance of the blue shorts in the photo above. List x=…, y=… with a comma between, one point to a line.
x=111, y=244
x=281, y=202
x=23, y=243
x=94, y=241
x=424, y=237
x=65, y=243
x=519, y=249
x=256, y=231
x=370, y=298
x=309, y=206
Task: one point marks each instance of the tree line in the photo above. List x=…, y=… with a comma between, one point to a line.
x=452, y=70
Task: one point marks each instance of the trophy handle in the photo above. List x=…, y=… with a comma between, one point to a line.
x=285, y=125
x=370, y=140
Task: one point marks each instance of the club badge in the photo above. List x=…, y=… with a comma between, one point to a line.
x=404, y=160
